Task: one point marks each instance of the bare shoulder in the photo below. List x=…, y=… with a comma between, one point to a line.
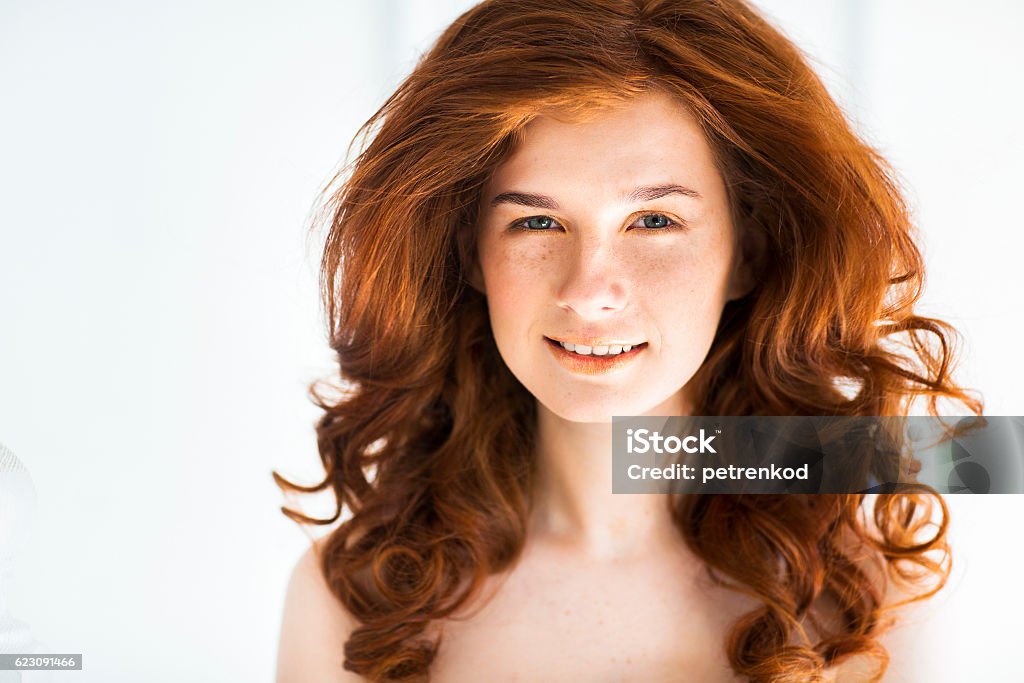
x=314, y=628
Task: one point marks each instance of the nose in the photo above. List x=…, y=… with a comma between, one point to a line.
x=594, y=283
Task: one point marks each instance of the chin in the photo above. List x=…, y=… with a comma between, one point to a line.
x=602, y=410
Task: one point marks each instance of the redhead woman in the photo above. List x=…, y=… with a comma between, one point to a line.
x=598, y=208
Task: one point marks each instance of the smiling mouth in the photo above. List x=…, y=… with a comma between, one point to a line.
x=607, y=350
x=606, y=358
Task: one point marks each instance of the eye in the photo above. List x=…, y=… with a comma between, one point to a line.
x=536, y=223
x=653, y=221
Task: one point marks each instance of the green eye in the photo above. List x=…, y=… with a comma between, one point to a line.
x=538, y=223
x=655, y=221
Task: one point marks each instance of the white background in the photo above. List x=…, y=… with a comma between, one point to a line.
x=159, y=317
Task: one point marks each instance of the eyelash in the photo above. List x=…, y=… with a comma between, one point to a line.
x=673, y=223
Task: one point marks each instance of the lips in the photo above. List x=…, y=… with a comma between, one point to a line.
x=593, y=364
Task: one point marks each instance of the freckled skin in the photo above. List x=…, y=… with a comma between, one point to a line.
x=596, y=270
x=657, y=618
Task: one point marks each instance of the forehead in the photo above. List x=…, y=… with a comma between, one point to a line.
x=651, y=137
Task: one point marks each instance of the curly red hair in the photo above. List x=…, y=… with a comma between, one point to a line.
x=438, y=489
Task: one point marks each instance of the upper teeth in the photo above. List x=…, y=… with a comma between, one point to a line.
x=595, y=350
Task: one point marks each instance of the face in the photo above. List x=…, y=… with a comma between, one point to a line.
x=607, y=253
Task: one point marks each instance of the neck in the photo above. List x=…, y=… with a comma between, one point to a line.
x=573, y=503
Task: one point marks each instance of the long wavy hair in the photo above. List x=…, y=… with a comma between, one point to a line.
x=428, y=444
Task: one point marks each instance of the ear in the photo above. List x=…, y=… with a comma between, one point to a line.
x=475, y=277
x=747, y=265
x=469, y=261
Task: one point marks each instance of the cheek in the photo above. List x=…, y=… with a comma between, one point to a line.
x=685, y=275
x=514, y=278
x=683, y=291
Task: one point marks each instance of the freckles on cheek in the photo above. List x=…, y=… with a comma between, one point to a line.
x=514, y=274
x=686, y=284
x=523, y=266
x=666, y=273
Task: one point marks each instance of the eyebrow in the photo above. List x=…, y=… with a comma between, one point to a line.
x=645, y=193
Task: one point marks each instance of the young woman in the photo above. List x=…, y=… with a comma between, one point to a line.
x=598, y=208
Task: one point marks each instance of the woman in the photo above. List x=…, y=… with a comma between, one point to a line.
x=608, y=208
